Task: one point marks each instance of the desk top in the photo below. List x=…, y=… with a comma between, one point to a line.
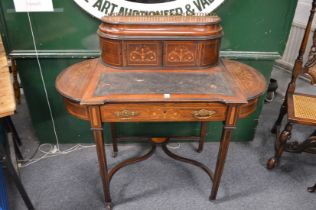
x=90, y=82
x=7, y=100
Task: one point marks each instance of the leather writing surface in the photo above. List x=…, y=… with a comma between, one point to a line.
x=162, y=83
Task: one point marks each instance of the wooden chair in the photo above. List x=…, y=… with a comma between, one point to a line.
x=7, y=108
x=299, y=107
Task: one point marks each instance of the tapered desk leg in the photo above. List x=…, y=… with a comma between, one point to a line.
x=114, y=139
x=230, y=124
x=97, y=129
x=202, y=136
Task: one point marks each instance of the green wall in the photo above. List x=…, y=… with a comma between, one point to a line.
x=255, y=33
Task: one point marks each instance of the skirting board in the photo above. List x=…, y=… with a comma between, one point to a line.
x=244, y=55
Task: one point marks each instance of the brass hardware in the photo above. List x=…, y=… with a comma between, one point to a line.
x=126, y=114
x=203, y=114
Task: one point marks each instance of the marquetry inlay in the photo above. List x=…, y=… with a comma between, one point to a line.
x=143, y=54
x=181, y=54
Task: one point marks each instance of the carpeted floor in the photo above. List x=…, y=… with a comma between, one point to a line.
x=72, y=181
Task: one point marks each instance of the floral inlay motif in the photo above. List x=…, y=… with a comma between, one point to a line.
x=180, y=54
x=143, y=54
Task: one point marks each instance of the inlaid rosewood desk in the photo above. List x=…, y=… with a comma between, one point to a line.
x=98, y=93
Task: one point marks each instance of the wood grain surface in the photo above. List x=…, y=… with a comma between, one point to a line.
x=191, y=42
x=81, y=79
x=7, y=99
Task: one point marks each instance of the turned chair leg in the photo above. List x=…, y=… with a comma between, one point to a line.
x=16, y=84
x=280, y=146
x=114, y=139
x=283, y=111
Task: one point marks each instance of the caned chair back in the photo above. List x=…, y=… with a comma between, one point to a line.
x=309, y=68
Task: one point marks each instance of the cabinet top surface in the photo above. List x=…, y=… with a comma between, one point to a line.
x=90, y=82
x=162, y=20
x=160, y=27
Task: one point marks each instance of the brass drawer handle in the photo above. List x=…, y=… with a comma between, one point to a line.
x=203, y=114
x=126, y=114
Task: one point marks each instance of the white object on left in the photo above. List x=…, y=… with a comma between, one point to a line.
x=33, y=5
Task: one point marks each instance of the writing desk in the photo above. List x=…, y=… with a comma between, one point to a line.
x=98, y=93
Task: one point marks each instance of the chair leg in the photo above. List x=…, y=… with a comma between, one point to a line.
x=17, y=150
x=202, y=136
x=16, y=84
x=312, y=189
x=16, y=139
x=283, y=111
x=11, y=127
x=7, y=162
x=280, y=146
x=114, y=139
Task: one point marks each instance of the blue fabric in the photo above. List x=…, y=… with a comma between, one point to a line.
x=3, y=193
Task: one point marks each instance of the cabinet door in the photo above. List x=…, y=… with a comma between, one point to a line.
x=143, y=53
x=180, y=53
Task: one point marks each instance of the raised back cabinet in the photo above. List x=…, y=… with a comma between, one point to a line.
x=159, y=42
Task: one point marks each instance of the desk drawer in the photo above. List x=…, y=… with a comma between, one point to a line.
x=163, y=112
